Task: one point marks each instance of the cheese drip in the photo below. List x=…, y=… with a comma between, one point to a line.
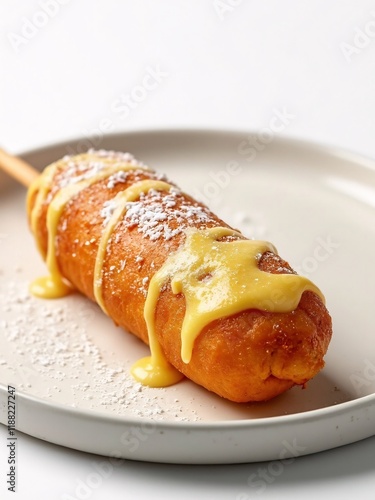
x=121, y=201
x=41, y=187
x=154, y=370
x=54, y=285
x=219, y=279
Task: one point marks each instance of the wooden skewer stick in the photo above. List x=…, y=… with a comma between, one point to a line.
x=20, y=170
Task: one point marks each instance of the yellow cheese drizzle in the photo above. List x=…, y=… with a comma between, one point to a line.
x=120, y=201
x=41, y=186
x=217, y=277
x=156, y=371
x=54, y=286
x=160, y=372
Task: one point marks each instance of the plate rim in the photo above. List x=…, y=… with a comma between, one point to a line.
x=300, y=417
x=331, y=150
x=322, y=147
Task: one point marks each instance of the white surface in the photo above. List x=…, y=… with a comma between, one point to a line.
x=71, y=365
x=232, y=72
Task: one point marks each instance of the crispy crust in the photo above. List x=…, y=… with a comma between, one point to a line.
x=250, y=356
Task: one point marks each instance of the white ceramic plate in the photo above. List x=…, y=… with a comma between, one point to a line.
x=69, y=363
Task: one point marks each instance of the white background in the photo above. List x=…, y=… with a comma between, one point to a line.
x=63, y=74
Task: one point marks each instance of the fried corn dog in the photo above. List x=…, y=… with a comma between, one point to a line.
x=222, y=310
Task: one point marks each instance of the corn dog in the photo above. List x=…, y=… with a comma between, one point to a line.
x=222, y=310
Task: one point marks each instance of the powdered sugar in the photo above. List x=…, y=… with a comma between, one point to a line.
x=83, y=167
x=115, y=155
x=122, y=177
x=117, y=177
x=107, y=211
x=56, y=348
x=90, y=169
x=158, y=215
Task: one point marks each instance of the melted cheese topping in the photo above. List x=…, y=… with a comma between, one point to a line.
x=54, y=286
x=219, y=279
x=215, y=269
x=41, y=187
x=121, y=201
